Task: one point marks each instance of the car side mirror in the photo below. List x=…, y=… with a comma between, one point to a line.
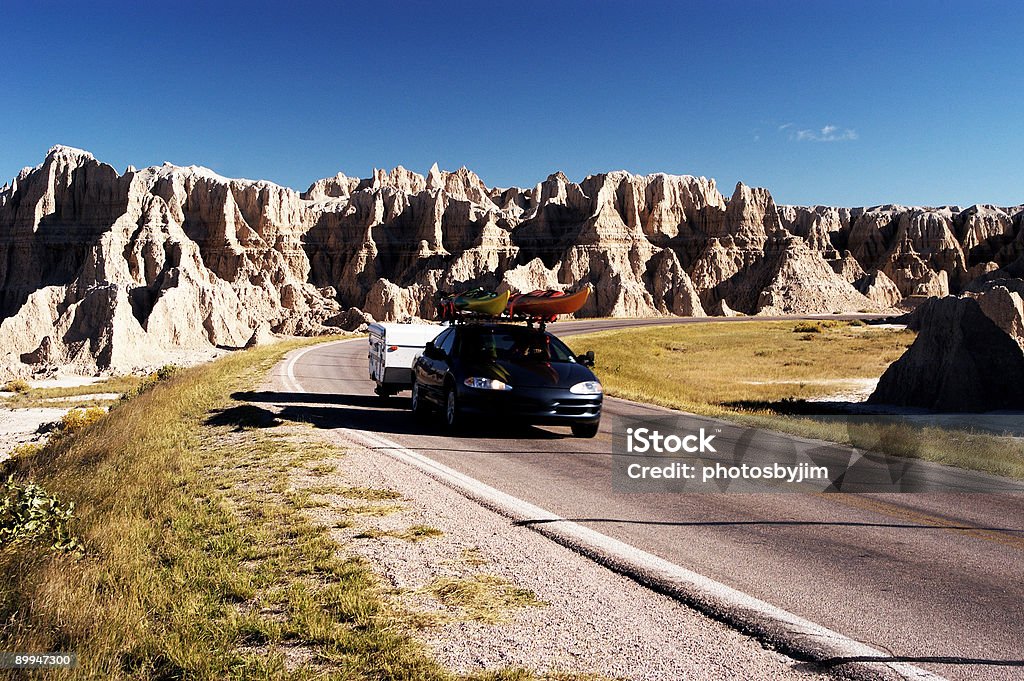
x=586, y=359
x=432, y=351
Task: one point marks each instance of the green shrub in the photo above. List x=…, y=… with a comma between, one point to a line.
x=17, y=385
x=161, y=374
x=29, y=514
x=166, y=371
x=145, y=384
x=807, y=327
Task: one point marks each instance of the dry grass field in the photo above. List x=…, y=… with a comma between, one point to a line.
x=764, y=374
x=716, y=366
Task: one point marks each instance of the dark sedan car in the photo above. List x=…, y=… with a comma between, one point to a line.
x=507, y=372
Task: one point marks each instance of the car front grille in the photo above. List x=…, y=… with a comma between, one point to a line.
x=584, y=406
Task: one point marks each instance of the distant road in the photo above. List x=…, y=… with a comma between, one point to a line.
x=577, y=326
x=935, y=579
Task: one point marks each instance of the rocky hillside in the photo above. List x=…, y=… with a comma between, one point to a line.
x=968, y=354
x=100, y=269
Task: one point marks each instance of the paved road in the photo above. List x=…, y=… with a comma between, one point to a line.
x=936, y=579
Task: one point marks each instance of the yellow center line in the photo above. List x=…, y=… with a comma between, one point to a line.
x=922, y=518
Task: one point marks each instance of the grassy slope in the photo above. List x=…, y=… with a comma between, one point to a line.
x=200, y=561
x=750, y=372
x=197, y=562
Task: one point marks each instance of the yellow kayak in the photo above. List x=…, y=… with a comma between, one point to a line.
x=477, y=300
x=484, y=302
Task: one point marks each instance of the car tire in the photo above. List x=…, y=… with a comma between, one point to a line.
x=419, y=407
x=585, y=429
x=452, y=417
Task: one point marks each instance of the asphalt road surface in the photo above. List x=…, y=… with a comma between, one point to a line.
x=935, y=579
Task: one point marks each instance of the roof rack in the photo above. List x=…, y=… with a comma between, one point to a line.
x=469, y=317
x=536, y=307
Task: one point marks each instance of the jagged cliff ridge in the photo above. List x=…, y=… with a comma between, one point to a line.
x=106, y=270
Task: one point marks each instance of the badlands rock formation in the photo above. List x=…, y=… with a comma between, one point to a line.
x=101, y=270
x=968, y=355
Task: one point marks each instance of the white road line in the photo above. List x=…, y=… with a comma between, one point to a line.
x=289, y=379
x=793, y=635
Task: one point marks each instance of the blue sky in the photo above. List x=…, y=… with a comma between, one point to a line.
x=843, y=103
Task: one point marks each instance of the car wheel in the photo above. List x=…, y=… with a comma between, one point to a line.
x=451, y=409
x=584, y=430
x=418, y=407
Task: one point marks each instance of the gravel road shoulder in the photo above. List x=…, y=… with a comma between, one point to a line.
x=588, y=619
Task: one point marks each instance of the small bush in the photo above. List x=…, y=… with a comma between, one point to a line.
x=17, y=455
x=807, y=327
x=857, y=322
x=166, y=371
x=17, y=385
x=146, y=383
x=77, y=419
x=23, y=451
x=150, y=380
x=28, y=513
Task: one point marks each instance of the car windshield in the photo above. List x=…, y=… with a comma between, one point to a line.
x=515, y=344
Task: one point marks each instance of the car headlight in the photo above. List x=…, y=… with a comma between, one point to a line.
x=587, y=388
x=486, y=383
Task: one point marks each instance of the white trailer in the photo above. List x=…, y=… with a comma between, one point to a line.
x=393, y=349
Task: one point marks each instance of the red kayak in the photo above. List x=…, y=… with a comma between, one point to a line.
x=546, y=304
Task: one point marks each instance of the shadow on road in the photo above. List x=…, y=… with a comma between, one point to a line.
x=381, y=415
x=388, y=417
x=798, y=407
x=365, y=401
x=795, y=523
x=922, y=659
x=244, y=416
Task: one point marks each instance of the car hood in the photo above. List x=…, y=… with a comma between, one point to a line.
x=530, y=374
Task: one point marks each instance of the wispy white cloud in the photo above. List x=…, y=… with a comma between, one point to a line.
x=785, y=126
x=829, y=133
